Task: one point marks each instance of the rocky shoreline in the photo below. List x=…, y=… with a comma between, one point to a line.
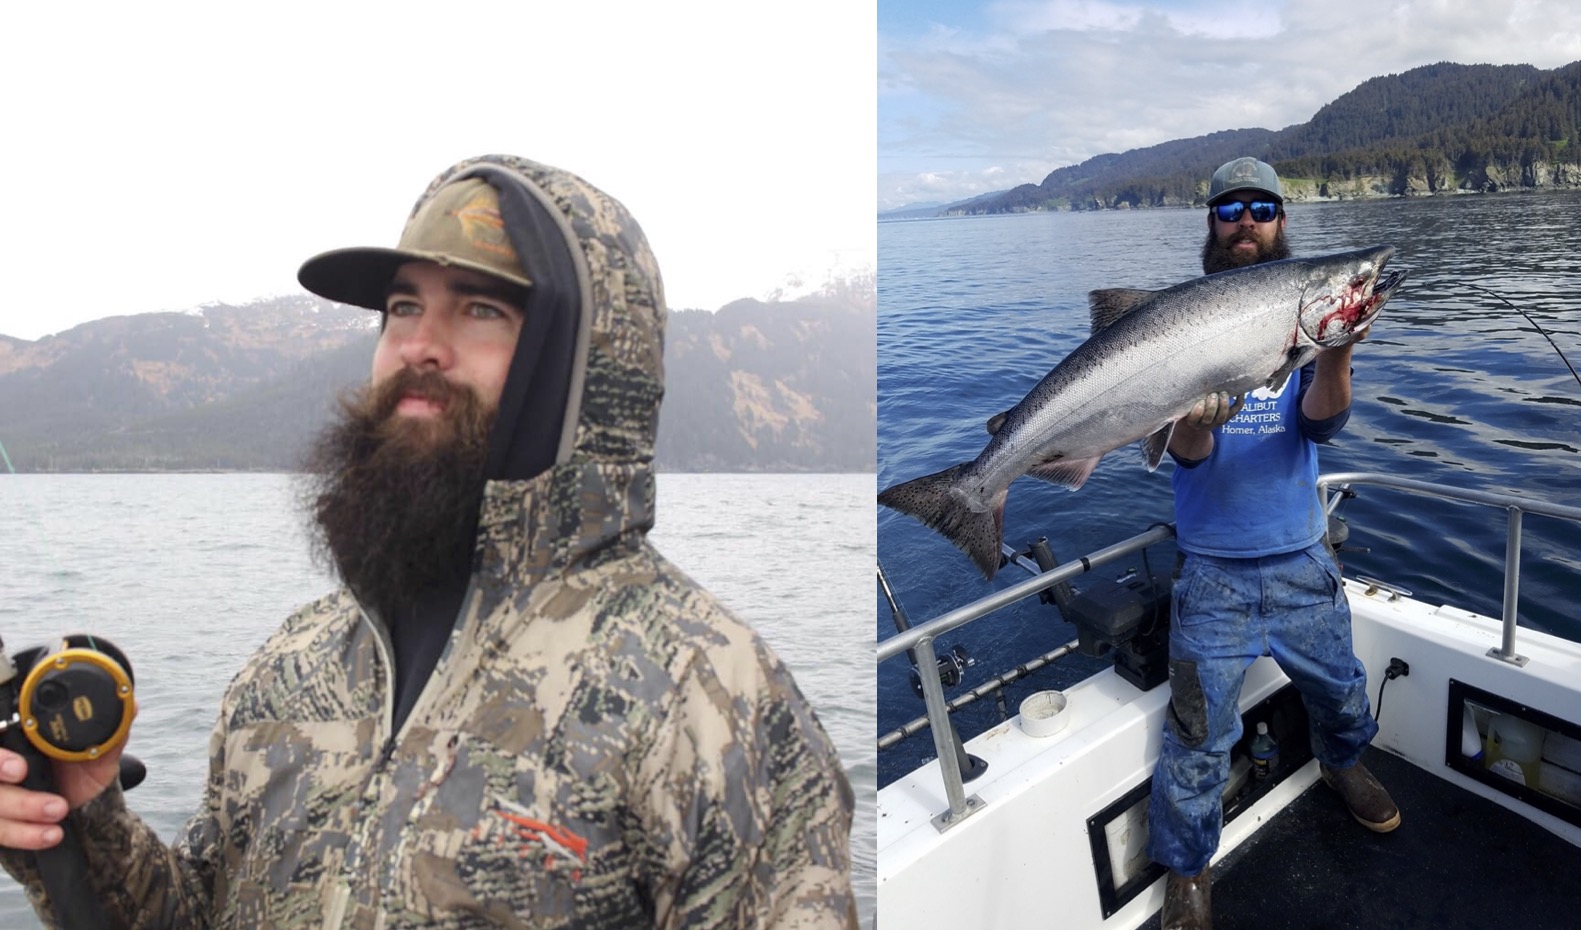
x=1492, y=179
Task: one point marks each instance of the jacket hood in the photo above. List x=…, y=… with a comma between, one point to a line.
x=571, y=456
x=595, y=322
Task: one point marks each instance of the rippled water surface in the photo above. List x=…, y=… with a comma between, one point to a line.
x=189, y=574
x=1451, y=387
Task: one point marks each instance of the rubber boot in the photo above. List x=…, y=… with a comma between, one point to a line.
x=1368, y=802
x=1187, y=902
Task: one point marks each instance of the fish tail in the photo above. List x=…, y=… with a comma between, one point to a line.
x=974, y=524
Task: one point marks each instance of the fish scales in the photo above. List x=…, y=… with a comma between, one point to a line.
x=1152, y=356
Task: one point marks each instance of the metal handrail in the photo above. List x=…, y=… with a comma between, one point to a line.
x=1513, y=504
x=992, y=685
x=961, y=616
x=920, y=638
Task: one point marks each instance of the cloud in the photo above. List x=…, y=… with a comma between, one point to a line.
x=1034, y=86
x=900, y=189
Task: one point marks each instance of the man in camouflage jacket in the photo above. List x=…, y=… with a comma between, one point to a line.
x=590, y=741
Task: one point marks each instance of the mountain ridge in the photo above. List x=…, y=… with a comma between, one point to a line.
x=754, y=386
x=1438, y=128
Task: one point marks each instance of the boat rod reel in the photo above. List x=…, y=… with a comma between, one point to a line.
x=68, y=702
x=952, y=663
x=1338, y=530
x=950, y=666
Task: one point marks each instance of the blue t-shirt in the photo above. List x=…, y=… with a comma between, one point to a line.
x=1256, y=492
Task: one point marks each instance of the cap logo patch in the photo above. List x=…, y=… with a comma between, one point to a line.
x=1245, y=170
x=482, y=226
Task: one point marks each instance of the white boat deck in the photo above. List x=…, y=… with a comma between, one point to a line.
x=1025, y=859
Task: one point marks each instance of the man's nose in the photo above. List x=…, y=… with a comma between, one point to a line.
x=429, y=344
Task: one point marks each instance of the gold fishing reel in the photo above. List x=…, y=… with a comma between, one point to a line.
x=75, y=699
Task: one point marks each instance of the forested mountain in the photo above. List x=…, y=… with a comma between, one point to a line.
x=782, y=386
x=1404, y=106
x=787, y=384
x=1439, y=128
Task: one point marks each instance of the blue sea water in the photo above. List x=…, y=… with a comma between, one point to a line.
x=188, y=574
x=1451, y=387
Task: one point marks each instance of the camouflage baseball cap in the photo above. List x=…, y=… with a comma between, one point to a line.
x=1244, y=174
x=460, y=226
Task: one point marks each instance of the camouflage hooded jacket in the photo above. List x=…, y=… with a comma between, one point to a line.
x=600, y=745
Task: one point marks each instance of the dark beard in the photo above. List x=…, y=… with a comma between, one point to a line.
x=394, y=500
x=1217, y=257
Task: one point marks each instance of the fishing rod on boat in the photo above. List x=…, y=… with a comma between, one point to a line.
x=952, y=663
x=1499, y=297
x=950, y=668
x=1127, y=621
x=73, y=702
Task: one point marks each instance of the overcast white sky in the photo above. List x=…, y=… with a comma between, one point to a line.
x=158, y=155
x=982, y=96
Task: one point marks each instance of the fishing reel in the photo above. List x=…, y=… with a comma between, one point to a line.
x=952, y=667
x=72, y=701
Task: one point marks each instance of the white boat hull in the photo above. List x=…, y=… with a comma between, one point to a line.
x=1024, y=859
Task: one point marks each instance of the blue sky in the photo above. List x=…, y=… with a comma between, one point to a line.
x=981, y=96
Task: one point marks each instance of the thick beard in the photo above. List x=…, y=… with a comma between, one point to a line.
x=1220, y=257
x=394, y=500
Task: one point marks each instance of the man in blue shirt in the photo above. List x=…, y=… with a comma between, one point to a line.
x=1257, y=577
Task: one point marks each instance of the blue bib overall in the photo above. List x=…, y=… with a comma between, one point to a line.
x=1257, y=580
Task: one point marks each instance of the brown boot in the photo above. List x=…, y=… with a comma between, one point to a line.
x=1187, y=902
x=1368, y=802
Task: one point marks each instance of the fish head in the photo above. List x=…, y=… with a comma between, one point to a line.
x=1344, y=294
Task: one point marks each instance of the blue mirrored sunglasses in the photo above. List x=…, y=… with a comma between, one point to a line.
x=1263, y=211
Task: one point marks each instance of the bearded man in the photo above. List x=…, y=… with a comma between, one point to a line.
x=1246, y=223
x=1257, y=577
x=515, y=713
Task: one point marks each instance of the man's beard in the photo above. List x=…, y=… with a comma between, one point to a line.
x=1222, y=257
x=394, y=499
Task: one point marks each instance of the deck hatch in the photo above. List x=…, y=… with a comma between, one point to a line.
x=1117, y=835
x=1515, y=749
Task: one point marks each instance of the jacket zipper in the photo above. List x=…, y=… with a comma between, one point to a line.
x=357, y=851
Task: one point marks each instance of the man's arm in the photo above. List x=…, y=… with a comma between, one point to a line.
x=752, y=807
x=141, y=882
x=1329, y=394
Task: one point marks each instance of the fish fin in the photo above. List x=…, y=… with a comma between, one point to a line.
x=1154, y=446
x=1294, y=359
x=997, y=421
x=975, y=525
x=1072, y=473
x=1110, y=304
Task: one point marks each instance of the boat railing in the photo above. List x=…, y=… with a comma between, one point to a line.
x=919, y=640
x=1515, y=507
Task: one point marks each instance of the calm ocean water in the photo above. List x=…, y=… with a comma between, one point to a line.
x=1451, y=387
x=188, y=574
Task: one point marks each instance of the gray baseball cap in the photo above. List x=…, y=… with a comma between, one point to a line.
x=1244, y=174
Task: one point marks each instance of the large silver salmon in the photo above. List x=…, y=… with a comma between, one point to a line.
x=1152, y=355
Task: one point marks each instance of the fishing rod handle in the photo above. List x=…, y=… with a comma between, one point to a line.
x=63, y=867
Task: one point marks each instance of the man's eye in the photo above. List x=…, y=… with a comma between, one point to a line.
x=403, y=308
x=486, y=312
